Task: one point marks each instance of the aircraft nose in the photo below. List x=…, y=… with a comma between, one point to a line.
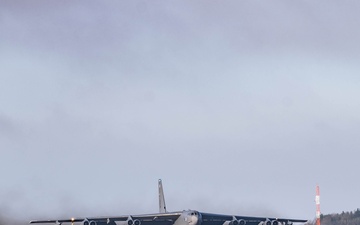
x=194, y=219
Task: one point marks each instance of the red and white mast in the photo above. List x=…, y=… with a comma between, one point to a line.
x=317, y=201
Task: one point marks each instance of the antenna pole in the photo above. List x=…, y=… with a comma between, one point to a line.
x=317, y=201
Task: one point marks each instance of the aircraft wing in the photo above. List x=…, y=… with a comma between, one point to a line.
x=156, y=218
x=220, y=219
x=170, y=218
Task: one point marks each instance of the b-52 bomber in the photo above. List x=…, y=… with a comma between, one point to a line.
x=186, y=217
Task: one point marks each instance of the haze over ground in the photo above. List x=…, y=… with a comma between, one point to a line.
x=241, y=107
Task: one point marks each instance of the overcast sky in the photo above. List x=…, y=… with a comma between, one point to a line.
x=241, y=107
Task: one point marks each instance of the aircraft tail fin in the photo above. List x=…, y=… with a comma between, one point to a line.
x=162, y=205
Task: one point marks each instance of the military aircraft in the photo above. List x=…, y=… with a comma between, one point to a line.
x=185, y=217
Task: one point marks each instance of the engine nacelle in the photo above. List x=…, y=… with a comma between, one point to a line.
x=132, y=222
x=237, y=222
x=92, y=222
x=274, y=222
x=85, y=222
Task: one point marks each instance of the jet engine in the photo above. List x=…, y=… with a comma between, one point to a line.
x=92, y=222
x=266, y=222
x=238, y=222
x=85, y=222
x=131, y=222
